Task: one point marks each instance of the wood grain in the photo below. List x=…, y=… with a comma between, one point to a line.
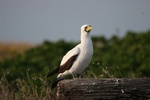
x=104, y=89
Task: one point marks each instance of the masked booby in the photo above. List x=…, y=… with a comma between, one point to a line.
x=77, y=59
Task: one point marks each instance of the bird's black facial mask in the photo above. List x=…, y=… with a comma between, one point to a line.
x=88, y=28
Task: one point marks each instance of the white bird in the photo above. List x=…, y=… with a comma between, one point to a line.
x=77, y=59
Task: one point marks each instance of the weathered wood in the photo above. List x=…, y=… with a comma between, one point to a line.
x=104, y=89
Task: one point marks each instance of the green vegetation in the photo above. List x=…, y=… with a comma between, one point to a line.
x=126, y=57
x=24, y=75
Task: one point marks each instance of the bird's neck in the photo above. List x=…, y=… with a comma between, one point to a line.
x=85, y=38
x=86, y=42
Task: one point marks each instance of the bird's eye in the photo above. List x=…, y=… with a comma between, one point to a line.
x=85, y=29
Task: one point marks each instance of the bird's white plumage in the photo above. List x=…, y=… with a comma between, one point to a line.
x=74, y=51
x=84, y=51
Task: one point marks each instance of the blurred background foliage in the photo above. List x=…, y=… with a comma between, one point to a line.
x=126, y=57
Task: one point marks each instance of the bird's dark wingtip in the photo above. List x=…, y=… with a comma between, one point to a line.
x=53, y=72
x=47, y=76
x=54, y=84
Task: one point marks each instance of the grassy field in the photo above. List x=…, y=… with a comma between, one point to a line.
x=36, y=88
x=23, y=67
x=21, y=89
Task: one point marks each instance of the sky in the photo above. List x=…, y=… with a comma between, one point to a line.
x=35, y=21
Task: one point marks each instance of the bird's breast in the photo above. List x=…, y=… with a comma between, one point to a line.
x=84, y=58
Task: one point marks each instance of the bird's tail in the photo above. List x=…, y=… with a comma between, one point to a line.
x=54, y=84
x=53, y=72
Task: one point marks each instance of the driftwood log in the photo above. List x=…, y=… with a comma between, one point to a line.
x=104, y=89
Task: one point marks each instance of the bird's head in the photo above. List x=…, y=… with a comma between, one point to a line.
x=86, y=28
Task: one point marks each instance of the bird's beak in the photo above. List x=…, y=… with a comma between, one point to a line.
x=89, y=28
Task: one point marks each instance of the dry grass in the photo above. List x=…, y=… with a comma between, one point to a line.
x=11, y=49
x=21, y=89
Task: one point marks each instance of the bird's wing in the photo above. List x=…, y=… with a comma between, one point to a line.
x=69, y=59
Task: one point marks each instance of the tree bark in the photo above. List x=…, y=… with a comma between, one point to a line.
x=104, y=89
